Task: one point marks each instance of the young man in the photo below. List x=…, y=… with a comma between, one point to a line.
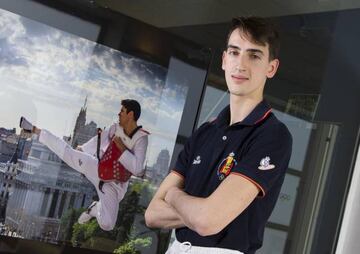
x=228, y=177
x=131, y=142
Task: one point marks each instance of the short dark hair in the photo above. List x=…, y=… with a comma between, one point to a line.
x=261, y=30
x=132, y=105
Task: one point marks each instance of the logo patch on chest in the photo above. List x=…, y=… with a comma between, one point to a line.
x=197, y=160
x=225, y=166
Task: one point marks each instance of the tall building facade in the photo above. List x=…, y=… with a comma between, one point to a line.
x=45, y=188
x=161, y=168
x=8, y=143
x=8, y=173
x=82, y=131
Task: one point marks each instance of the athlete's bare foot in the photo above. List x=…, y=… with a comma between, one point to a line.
x=28, y=127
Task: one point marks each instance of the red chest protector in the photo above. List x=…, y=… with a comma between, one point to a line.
x=110, y=169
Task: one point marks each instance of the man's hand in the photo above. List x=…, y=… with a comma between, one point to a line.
x=159, y=213
x=119, y=144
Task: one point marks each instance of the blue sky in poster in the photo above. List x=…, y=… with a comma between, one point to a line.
x=45, y=74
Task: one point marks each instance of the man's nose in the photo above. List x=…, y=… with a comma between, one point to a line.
x=239, y=68
x=241, y=63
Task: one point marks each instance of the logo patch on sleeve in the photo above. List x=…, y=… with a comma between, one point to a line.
x=225, y=166
x=265, y=164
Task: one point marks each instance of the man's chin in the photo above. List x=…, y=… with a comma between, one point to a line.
x=236, y=93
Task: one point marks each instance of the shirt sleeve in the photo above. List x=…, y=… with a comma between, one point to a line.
x=183, y=160
x=134, y=160
x=267, y=158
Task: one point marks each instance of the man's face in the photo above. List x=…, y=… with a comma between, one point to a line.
x=247, y=66
x=124, y=117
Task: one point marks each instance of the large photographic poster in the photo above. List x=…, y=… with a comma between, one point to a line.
x=72, y=86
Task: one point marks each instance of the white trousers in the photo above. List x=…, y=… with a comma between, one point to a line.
x=112, y=193
x=186, y=248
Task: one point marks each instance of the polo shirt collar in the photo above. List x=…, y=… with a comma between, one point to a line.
x=259, y=113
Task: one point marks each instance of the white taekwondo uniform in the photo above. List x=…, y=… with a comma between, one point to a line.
x=86, y=162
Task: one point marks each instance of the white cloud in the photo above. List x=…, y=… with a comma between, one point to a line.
x=11, y=27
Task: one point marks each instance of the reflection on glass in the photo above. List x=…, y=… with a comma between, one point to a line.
x=274, y=242
x=285, y=204
x=214, y=101
x=72, y=86
x=300, y=131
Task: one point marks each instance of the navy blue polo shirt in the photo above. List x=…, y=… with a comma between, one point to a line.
x=258, y=149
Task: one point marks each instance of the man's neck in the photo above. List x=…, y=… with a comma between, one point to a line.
x=241, y=107
x=129, y=128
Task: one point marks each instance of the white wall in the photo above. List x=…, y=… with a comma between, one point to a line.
x=350, y=229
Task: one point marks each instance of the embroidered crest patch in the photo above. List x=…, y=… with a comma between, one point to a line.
x=225, y=166
x=265, y=164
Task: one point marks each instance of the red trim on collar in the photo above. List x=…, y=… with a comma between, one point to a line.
x=264, y=116
x=145, y=131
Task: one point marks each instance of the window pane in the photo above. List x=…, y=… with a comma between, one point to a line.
x=72, y=86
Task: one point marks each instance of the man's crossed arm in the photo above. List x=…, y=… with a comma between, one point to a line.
x=171, y=207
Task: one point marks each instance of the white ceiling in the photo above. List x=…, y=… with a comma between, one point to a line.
x=176, y=13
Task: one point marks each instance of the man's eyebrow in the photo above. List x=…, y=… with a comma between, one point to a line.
x=248, y=50
x=233, y=47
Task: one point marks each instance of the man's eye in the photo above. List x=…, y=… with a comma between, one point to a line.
x=254, y=56
x=233, y=53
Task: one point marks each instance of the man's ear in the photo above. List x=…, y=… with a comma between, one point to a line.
x=273, y=67
x=131, y=113
x=223, y=60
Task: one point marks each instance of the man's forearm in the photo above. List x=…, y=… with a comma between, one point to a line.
x=161, y=215
x=192, y=210
x=210, y=215
x=133, y=160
